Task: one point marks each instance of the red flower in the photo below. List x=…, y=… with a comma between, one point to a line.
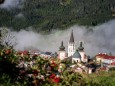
x=52, y=76
x=54, y=64
x=8, y=51
x=56, y=80
x=35, y=72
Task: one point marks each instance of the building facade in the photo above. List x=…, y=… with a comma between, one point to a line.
x=61, y=52
x=71, y=45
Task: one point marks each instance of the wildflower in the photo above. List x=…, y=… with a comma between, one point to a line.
x=53, y=64
x=35, y=72
x=52, y=76
x=8, y=51
x=56, y=79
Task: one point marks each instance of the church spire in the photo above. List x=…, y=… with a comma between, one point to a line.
x=71, y=38
x=62, y=48
x=81, y=46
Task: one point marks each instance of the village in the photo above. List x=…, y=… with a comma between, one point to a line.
x=79, y=61
x=37, y=66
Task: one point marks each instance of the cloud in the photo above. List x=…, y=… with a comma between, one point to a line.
x=12, y=4
x=99, y=40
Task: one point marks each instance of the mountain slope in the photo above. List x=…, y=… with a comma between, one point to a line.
x=46, y=15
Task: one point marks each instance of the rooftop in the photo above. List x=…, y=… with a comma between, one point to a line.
x=71, y=38
x=76, y=55
x=105, y=56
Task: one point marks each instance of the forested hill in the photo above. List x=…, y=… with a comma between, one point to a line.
x=52, y=14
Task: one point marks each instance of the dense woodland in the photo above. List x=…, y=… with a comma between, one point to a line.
x=45, y=15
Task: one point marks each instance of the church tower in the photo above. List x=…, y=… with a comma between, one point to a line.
x=71, y=45
x=82, y=53
x=61, y=52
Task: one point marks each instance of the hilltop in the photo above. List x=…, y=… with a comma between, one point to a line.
x=45, y=15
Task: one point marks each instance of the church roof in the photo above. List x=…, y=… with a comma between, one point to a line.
x=81, y=47
x=76, y=54
x=62, y=48
x=71, y=37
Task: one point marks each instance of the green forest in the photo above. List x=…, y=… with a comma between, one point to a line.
x=46, y=15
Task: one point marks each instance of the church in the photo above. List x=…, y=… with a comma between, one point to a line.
x=77, y=55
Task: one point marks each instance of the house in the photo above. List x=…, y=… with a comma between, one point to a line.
x=105, y=59
x=113, y=64
x=99, y=58
x=46, y=55
x=34, y=52
x=108, y=59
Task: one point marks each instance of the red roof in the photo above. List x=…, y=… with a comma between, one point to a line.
x=105, y=56
x=102, y=55
x=109, y=57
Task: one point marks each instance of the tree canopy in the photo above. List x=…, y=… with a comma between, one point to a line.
x=45, y=15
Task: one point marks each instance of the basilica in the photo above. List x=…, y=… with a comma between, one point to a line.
x=77, y=54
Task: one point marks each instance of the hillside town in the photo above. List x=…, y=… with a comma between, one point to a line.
x=79, y=61
x=38, y=66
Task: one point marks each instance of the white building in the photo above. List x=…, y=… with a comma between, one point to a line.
x=108, y=59
x=71, y=45
x=105, y=59
x=76, y=57
x=61, y=52
x=82, y=53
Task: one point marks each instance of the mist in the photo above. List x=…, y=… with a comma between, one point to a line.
x=8, y=4
x=99, y=40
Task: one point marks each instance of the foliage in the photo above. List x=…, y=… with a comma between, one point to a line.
x=13, y=75
x=7, y=39
x=45, y=15
x=102, y=79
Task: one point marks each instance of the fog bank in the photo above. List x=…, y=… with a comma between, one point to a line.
x=12, y=4
x=99, y=40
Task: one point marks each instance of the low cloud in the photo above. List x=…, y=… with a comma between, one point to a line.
x=99, y=40
x=12, y=4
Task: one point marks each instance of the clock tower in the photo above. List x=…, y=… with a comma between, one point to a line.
x=71, y=45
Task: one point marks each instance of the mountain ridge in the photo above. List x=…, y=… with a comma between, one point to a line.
x=45, y=15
